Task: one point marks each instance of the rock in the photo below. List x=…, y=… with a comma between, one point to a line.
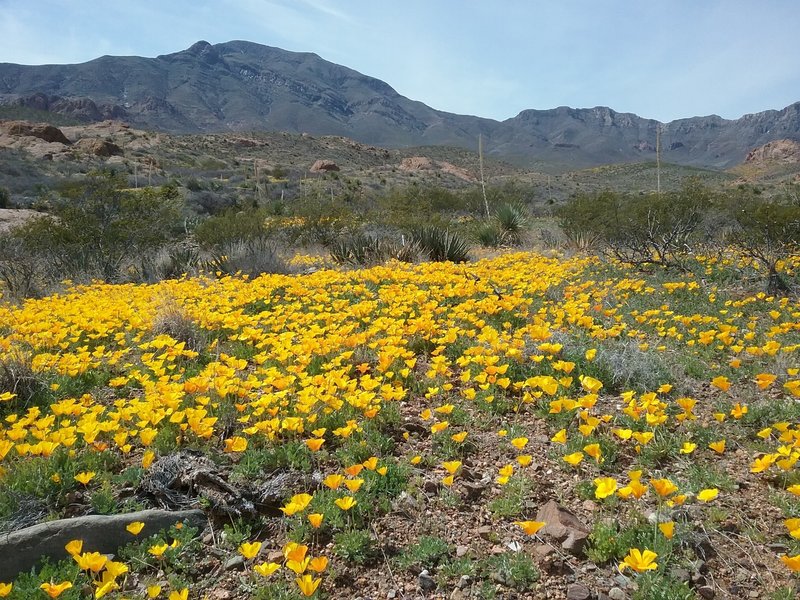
x=474, y=490
x=622, y=581
x=324, y=166
x=21, y=550
x=459, y=594
x=486, y=532
x=706, y=592
x=780, y=151
x=97, y=147
x=43, y=131
x=391, y=594
x=563, y=526
x=542, y=551
x=681, y=574
x=417, y=163
x=430, y=487
x=578, y=591
x=464, y=582
x=616, y=593
x=461, y=551
x=426, y=582
x=235, y=562
x=423, y=163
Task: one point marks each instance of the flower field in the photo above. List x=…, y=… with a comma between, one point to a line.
x=424, y=414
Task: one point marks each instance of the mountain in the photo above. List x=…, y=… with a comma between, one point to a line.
x=243, y=86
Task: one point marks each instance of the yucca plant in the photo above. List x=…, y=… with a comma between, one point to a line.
x=363, y=250
x=512, y=221
x=440, y=244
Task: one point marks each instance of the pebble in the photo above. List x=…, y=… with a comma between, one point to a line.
x=426, y=582
x=461, y=551
x=616, y=593
x=234, y=562
x=706, y=592
x=622, y=581
x=578, y=591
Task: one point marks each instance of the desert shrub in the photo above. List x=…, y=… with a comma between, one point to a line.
x=251, y=257
x=173, y=320
x=22, y=275
x=768, y=231
x=206, y=202
x=488, y=234
x=229, y=227
x=440, y=244
x=639, y=230
x=363, y=250
x=97, y=227
x=18, y=378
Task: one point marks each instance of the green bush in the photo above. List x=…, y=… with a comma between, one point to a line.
x=768, y=231
x=640, y=230
x=488, y=234
x=97, y=228
x=230, y=227
x=428, y=553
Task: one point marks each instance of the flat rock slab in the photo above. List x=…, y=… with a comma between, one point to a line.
x=22, y=550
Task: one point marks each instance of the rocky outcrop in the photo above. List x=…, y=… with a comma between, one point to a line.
x=423, y=163
x=782, y=151
x=417, y=163
x=324, y=166
x=42, y=131
x=98, y=147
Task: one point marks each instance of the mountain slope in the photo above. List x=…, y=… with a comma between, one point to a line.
x=239, y=86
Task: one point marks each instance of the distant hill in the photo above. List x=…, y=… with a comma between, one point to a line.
x=243, y=86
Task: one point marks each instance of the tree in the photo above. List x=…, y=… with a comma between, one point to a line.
x=640, y=230
x=97, y=226
x=768, y=231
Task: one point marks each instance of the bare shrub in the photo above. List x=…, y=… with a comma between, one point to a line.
x=171, y=319
x=250, y=257
x=17, y=377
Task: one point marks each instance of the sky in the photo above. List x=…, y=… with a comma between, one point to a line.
x=660, y=59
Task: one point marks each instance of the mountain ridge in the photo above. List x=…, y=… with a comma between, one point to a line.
x=241, y=86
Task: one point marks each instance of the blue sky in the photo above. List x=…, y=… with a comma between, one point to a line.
x=662, y=59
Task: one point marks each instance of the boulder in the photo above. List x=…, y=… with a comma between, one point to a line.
x=23, y=549
x=324, y=166
x=563, y=526
x=43, y=131
x=98, y=147
x=417, y=163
